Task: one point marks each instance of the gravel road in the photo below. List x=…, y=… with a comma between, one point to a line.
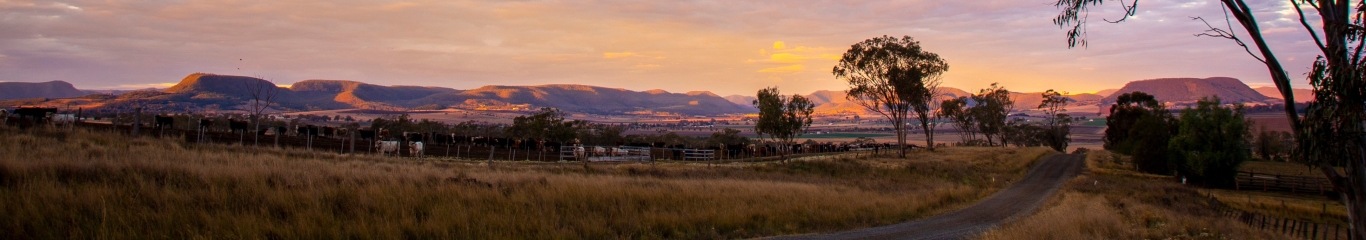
x=1020, y=200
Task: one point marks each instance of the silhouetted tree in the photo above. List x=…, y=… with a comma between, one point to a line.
x=881, y=70
x=262, y=94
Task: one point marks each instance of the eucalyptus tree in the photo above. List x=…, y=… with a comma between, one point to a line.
x=888, y=76
x=782, y=118
x=1333, y=130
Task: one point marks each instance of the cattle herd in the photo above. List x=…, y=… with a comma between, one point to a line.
x=410, y=144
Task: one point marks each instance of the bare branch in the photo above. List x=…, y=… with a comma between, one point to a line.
x=1222, y=33
x=1305, y=23
x=1129, y=10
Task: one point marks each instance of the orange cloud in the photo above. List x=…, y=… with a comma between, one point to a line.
x=784, y=69
x=779, y=45
x=618, y=54
x=795, y=58
x=646, y=66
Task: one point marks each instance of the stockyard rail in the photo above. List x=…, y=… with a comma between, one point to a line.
x=1283, y=183
x=349, y=144
x=1291, y=227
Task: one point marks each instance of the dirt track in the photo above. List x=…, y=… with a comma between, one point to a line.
x=1019, y=200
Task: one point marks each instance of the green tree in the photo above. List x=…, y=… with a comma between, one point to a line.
x=992, y=108
x=1330, y=132
x=959, y=114
x=728, y=136
x=1149, y=138
x=1211, y=142
x=1058, y=124
x=887, y=75
x=1272, y=145
x=782, y=118
x=546, y=124
x=1140, y=126
x=1126, y=111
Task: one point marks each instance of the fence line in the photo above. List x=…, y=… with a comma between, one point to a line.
x=1282, y=183
x=1291, y=227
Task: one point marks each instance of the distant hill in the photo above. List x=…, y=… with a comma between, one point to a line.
x=203, y=91
x=740, y=99
x=1106, y=92
x=590, y=99
x=1024, y=101
x=1185, y=90
x=1301, y=95
x=52, y=89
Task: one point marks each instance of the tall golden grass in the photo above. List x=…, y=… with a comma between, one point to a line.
x=81, y=184
x=1110, y=202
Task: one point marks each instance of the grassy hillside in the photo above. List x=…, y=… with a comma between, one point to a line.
x=60, y=185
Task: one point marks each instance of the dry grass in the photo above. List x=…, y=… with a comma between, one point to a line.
x=1109, y=202
x=93, y=185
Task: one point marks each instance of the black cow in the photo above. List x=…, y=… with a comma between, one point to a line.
x=163, y=122
x=236, y=126
x=307, y=130
x=38, y=114
x=206, y=124
x=366, y=134
x=413, y=137
x=329, y=131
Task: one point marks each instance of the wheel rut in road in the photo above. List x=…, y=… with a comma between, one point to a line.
x=1020, y=199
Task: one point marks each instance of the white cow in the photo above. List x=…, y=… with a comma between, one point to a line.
x=63, y=119
x=579, y=153
x=619, y=152
x=386, y=147
x=599, y=151
x=415, y=148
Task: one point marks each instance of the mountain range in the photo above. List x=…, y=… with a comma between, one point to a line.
x=202, y=91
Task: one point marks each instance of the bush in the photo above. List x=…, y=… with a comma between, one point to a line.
x=1211, y=143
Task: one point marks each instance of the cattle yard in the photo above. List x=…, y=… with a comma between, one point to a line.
x=448, y=146
x=97, y=181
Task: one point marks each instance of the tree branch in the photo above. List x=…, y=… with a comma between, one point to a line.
x=1129, y=10
x=1305, y=23
x=1222, y=33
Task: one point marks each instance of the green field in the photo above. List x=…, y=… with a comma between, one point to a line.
x=1099, y=122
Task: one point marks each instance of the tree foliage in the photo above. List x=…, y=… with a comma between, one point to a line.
x=1273, y=145
x=546, y=124
x=1126, y=111
x=889, y=76
x=991, y=109
x=782, y=118
x=1211, y=142
x=1056, y=121
x=958, y=113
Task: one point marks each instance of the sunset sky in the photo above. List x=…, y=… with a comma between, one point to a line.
x=727, y=47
